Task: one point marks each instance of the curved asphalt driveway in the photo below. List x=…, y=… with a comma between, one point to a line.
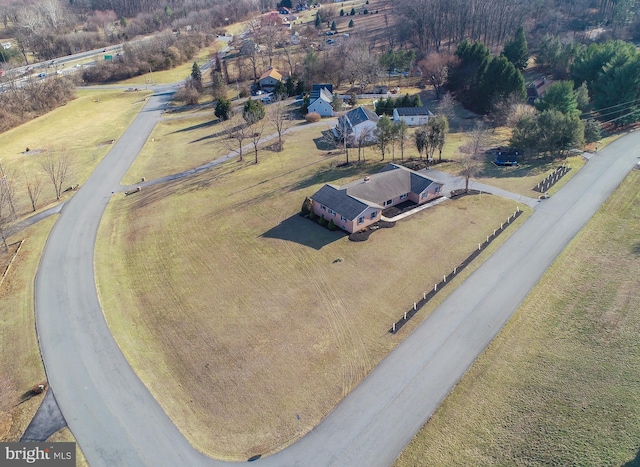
x=118, y=422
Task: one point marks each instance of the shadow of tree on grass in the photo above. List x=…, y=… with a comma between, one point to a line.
x=299, y=230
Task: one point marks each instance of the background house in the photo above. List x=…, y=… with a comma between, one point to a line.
x=412, y=116
x=356, y=123
x=269, y=79
x=536, y=89
x=359, y=204
x=320, y=100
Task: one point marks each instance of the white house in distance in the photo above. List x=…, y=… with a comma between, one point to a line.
x=412, y=116
x=320, y=100
x=269, y=79
x=358, y=122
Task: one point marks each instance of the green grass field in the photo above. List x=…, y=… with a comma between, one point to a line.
x=230, y=306
x=82, y=128
x=559, y=385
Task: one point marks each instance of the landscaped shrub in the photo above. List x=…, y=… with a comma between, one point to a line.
x=331, y=225
x=312, y=117
x=244, y=92
x=313, y=216
x=306, y=207
x=322, y=221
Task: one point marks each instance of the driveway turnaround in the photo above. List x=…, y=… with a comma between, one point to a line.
x=117, y=421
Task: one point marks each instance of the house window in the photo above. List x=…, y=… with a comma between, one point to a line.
x=343, y=219
x=388, y=202
x=437, y=190
x=374, y=214
x=405, y=196
x=361, y=220
x=423, y=195
x=324, y=208
x=332, y=212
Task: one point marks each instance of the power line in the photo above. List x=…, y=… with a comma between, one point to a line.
x=610, y=107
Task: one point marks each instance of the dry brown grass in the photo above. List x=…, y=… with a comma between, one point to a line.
x=79, y=128
x=65, y=435
x=21, y=362
x=558, y=386
x=232, y=311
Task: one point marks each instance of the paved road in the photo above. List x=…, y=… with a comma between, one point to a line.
x=118, y=422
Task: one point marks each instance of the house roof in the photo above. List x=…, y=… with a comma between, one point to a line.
x=316, y=88
x=536, y=89
x=393, y=181
x=338, y=200
x=353, y=198
x=271, y=73
x=413, y=111
x=360, y=115
x=325, y=95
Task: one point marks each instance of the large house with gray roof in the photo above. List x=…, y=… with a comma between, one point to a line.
x=358, y=204
x=357, y=123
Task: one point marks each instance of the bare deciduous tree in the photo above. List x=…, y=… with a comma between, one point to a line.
x=434, y=70
x=57, y=168
x=237, y=136
x=364, y=138
x=7, y=214
x=34, y=188
x=256, y=129
x=472, y=152
x=280, y=117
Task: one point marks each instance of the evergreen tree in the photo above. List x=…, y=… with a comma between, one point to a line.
x=517, y=51
x=351, y=24
x=223, y=109
x=496, y=80
x=334, y=27
x=592, y=130
x=253, y=111
x=353, y=12
x=318, y=21
x=218, y=86
x=341, y=12
x=290, y=86
x=196, y=75
x=280, y=90
x=582, y=97
x=336, y=103
x=559, y=96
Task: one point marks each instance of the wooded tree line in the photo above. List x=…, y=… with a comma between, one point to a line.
x=21, y=104
x=162, y=52
x=53, y=28
x=434, y=24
